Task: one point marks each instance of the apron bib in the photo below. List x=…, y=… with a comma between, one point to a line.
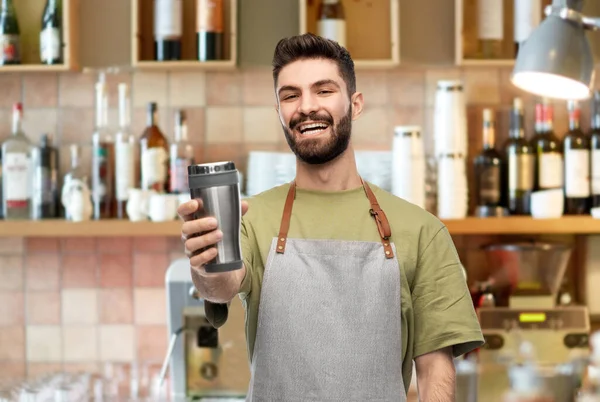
x=329, y=322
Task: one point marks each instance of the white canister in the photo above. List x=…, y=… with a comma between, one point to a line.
x=450, y=119
x=408, y=165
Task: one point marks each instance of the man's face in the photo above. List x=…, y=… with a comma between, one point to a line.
x=315, y=110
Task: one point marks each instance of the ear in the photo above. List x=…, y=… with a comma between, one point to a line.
x=357, y=105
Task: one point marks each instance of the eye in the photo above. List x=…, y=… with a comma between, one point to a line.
x=325, y=91
x=288, y=97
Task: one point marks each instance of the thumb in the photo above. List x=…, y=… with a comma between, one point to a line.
x=244, y=207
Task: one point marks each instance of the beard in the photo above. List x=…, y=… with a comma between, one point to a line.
x=317, y=151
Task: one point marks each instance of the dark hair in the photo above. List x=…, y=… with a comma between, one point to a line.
x=311, y=46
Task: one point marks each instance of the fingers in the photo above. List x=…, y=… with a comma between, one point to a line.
x=192, y=227
x=187, y=209
x=244, y=207
x=199, y=261
x=203, y=244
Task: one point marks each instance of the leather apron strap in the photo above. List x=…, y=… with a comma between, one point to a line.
x=383, y=226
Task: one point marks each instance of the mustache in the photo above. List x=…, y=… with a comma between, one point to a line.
x=326, y=118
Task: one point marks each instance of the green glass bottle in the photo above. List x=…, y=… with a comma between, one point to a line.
x=10, y=46
x=51, y=33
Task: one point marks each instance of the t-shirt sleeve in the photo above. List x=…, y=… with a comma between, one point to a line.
x=443, y=309
x=217, y=313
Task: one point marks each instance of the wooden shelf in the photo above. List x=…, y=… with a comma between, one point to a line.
x=142, y=39
x=29, y=15
x=515, y=225
x=372, y=29
x=466, y=41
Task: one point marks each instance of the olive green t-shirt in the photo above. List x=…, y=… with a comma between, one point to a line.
x=437, y=310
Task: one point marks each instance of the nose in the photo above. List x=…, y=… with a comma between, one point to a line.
x=308, y=104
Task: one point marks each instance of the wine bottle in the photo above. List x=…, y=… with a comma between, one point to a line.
x=549, y=166
x=331, y=22
x=45, y=199
x=51, y=33
x=209, y=30
x=519, y=165
x=488, y=166
x=181, y=155
x=154, y=154
x=527, y=16
x=10, y=34
x=595, y=149
x=490, y=28
x=167, y=29
x=576, y=147
x=124, y=153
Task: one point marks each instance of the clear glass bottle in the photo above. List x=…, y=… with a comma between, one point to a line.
x=76, y=172
x=17, y=169
x=124, y=153
x=154, y=154
x=181, y=155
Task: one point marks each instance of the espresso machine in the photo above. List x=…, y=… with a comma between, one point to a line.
x=532, y=273
x=204, y=363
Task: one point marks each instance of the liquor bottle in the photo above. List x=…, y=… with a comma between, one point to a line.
x=488, y=167
x=209, y=29
x=595, y=149
x=331, y=21
x=519, y=164
x=168, y=17
x=51, y=33
x=103, y=159
x=181, y=156
x=154, y=154
x=16, y=169
x=576, y=146
x=76, y=172
x=124, y=154
x=10, y=34
x=490, y=28
x=45, y=180
x=527, y=16
x=549, y=165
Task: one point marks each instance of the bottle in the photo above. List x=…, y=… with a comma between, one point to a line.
x=76, y=172
x=103, y=159
x=519, y=164
x=10, y=34
x=490, y=28
x=124, y=154
x=576, y=147
x=488, y=167
x=549, y=164
x=168, y=17
x=595, y=149
x=16, y=169
x=331, y=22
x=45, y=180
x=154, y=154
x=181, y=156
x=51, y=33
x=527, y=16
x=209, y=29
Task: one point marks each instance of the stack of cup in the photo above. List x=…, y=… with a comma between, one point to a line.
x=408, y=165
x=450, y=139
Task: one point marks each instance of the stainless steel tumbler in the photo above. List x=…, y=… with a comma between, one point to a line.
x=216, y=187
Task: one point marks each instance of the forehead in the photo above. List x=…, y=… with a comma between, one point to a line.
x=303, y=73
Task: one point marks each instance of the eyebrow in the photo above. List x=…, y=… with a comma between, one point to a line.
x=315, y=84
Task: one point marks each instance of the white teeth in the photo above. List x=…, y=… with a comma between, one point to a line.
x=313, y=125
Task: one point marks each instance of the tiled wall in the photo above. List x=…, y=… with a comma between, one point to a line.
x=74, y=303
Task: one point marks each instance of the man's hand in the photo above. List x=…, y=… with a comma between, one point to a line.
x=436, y=376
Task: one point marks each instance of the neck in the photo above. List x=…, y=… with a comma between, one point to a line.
x=337, y=175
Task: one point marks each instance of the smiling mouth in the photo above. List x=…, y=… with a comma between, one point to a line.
x=312, y=128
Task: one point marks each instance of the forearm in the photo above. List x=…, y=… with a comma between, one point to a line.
x=218, y=288
x=436, y=377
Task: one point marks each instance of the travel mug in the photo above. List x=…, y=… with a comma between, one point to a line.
x=216, y=186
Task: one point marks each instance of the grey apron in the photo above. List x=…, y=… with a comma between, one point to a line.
x=329, y=319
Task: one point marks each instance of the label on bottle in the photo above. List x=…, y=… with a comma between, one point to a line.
x=179, y=175
x=167, y=19
x=489, y=185
x=10, y=46
x=49, y=44
x=520, y=172
x=528, y=15
x=595, y=171
x=210, y=16
x=334, y=29
x=551, y=170
x=44, y=185
x=100, y=172
x=124, y=167
x=16, y=179
x=490, y=19
x=577, y=173
x=154, y=167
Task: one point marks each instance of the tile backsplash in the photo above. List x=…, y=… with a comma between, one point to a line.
x=75, y=303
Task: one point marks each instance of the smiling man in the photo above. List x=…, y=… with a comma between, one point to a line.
x=344, y=284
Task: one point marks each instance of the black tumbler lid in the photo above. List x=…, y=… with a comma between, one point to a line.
x=211, y=168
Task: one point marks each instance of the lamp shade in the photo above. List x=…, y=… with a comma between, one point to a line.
x=556, y=61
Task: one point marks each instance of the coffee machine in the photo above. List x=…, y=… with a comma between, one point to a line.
x=203, y=362
x=532, y=273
